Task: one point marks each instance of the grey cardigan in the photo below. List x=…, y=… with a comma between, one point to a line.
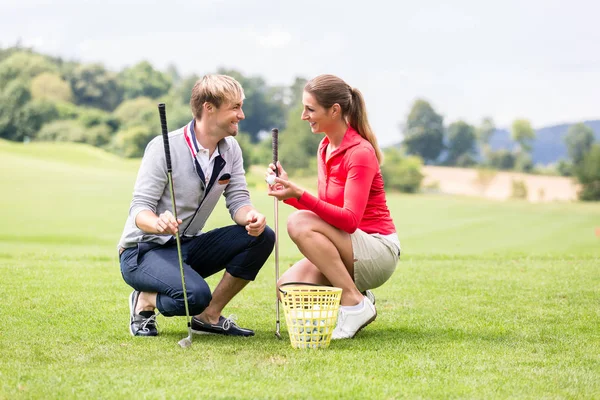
x=194, y=204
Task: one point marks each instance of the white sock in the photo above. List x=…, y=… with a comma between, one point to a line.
x=357, y=307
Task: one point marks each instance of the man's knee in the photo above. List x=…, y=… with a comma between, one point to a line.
x=199, y=297
x=268, y=238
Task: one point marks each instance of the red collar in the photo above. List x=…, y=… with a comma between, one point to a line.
x=351, y=139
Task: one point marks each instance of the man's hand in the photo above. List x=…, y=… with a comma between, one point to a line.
x=166, y=224
x=255, y=223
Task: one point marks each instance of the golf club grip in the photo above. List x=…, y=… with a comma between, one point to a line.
x=275, y=146
x=165, y=134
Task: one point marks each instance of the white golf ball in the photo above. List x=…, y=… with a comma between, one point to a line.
x=270, y=179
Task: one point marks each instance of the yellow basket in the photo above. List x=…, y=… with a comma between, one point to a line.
x=310, y=314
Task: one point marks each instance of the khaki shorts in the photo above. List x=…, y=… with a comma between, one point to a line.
x=375, y=259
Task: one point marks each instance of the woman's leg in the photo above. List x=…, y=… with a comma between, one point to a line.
x=328, y=252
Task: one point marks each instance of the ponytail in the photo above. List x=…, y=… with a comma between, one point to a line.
x=357, y=118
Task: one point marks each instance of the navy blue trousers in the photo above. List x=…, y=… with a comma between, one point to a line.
x=150, y=267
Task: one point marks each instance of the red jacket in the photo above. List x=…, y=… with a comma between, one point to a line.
x=351, y=194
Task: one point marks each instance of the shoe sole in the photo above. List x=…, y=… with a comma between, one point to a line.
x=205, y=333
x=216, y=333
x=365, y=324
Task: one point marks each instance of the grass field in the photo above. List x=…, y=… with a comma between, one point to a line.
x=490, y=300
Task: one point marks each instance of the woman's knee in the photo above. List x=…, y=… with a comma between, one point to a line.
x=300, y=223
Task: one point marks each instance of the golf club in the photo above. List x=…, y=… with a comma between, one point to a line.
x=186, y=342
x=275, y=145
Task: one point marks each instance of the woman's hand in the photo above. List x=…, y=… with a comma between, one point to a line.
x=271, y=171
x=283, y=189
x=279, y=186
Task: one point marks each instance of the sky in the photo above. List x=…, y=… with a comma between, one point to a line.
x=534, y=59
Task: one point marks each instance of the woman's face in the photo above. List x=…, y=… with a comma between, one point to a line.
x=317, y=116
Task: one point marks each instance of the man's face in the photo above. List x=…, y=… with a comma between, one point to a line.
x=228, y=116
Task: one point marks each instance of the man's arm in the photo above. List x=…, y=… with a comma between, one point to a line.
x=149, y=222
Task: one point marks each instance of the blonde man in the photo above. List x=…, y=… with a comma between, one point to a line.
x=207, y=163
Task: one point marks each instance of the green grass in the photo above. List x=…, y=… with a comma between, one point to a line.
x=490, y=300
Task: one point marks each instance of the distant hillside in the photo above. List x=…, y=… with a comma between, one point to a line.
x=549, y=145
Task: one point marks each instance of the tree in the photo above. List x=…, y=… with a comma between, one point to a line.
x=75, y=131
x=25, y=66
x=182, y=91
x=132, y=141
x=142, y=80
x=138, y=112
x=50, y=86
x=579, y=139
x=523, y=134
x=400, y=172
x=173, y=73
x=501, y=159
x=588, y=174
x=523, y=162
x=243, y=140
x=91, y=117
x=263, y=112
x=424, y=132
x=484, y=133
x=94, y=86
x=461, y=143
x=20, y=117
x=295, y=91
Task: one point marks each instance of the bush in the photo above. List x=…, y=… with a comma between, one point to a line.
x=485, y=176
x=140, y=111
x=565, y=168
x=588, y=174
x=132, y=142
x=74, y=131
x=519, y=189
x=501, y=159
x=466, y=160
x=93, y=116
x=50, y=86
x=402, y=173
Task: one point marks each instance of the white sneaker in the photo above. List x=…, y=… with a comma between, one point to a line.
x=370, y=295
x=350, y=322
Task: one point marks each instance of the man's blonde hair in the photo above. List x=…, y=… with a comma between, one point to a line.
x=215, y=89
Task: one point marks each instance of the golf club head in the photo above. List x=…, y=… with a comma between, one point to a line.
x=278, y=335
x=185, y=343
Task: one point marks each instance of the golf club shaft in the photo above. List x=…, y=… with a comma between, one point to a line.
x=275, y=146
x=165, y=135
x=178, y=240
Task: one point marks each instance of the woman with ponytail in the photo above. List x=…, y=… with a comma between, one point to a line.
x=346, y=233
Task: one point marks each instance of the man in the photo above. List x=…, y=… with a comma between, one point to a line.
x=206, y=162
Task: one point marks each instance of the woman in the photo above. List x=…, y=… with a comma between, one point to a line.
x=346, y=234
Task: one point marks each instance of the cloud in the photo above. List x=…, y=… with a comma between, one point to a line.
x=273, y=39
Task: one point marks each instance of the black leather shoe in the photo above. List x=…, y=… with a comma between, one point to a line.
x=143, y=324
x=225, y=326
